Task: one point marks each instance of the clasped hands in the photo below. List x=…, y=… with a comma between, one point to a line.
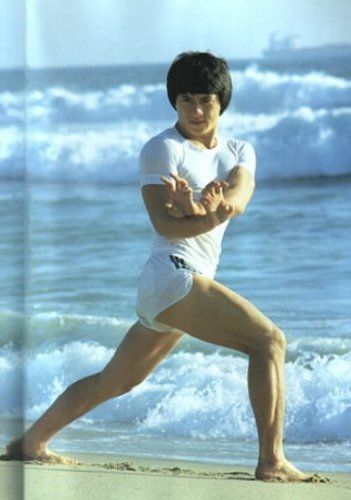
x=181, y=204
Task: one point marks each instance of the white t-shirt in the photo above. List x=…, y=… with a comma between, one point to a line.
x=169, y=152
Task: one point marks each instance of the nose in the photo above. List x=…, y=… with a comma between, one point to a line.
x=197, y=109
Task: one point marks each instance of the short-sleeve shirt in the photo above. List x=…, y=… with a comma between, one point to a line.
x=170, y=152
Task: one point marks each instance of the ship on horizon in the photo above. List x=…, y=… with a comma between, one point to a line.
x=284, y=48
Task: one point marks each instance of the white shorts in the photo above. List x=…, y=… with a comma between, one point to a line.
x=165, y=280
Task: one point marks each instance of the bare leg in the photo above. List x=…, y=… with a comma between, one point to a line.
x=215, y=314
x=139, y=352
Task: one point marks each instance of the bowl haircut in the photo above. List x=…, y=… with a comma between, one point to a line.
x=199, y=73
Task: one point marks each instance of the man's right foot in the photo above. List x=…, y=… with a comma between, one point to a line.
x=17, y=451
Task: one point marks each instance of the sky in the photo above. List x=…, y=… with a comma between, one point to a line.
x=56, y=33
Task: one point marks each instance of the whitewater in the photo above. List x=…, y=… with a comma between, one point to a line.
x=69, y=133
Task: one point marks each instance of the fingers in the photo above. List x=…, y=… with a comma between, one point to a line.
x=181, y=183
x=213, y=191
x=169, y=184
x=209, y=186
x=180, y=202
x=177, y=178
x=176, y=183
x=216, y=185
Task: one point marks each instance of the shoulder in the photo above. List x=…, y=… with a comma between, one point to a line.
x=164, y=143
x=243, y=153
x=240, y=148
x=160, y=156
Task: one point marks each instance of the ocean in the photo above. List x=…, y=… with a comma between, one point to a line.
x=75, y=235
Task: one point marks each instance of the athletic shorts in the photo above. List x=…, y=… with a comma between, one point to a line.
x=165, y=280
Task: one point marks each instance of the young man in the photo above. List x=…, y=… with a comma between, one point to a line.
x=193, y=182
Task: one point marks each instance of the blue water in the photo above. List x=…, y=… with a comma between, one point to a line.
x=75, y=235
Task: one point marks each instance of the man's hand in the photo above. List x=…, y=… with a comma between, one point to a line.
x=212, y=195
x=214, y=202
x=180, y=202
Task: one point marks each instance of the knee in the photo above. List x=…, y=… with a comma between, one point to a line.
x=275, y=340
x=128, y=385
x=111, y=387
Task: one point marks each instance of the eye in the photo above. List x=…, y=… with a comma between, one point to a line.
x=208, y=99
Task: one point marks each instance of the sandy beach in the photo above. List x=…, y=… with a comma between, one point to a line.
x=105, y=477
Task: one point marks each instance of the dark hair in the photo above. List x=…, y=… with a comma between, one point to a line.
x=199, y=73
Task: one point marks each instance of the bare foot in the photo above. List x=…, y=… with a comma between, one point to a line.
x=284, y=471
x=15, y=451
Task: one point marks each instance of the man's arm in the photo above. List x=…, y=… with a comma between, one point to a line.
x=236, y=195
x=156, y=198
x=240, y=190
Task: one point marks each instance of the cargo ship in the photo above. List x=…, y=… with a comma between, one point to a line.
x=284, y=48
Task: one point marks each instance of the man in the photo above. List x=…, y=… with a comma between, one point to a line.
x=193, y=182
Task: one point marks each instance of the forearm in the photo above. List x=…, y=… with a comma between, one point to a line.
x=186, y=227
x=174, y=225
x=238, y=195
x=234, y=197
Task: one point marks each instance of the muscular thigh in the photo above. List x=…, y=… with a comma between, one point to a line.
x=213, y=313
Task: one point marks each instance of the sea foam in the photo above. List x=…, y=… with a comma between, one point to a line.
x=298, y=123
x=197, y=392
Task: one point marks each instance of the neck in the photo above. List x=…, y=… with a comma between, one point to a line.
x=208, y=140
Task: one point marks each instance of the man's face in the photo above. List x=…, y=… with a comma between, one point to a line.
x=198, y=113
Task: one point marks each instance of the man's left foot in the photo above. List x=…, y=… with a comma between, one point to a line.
x=284, y=471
